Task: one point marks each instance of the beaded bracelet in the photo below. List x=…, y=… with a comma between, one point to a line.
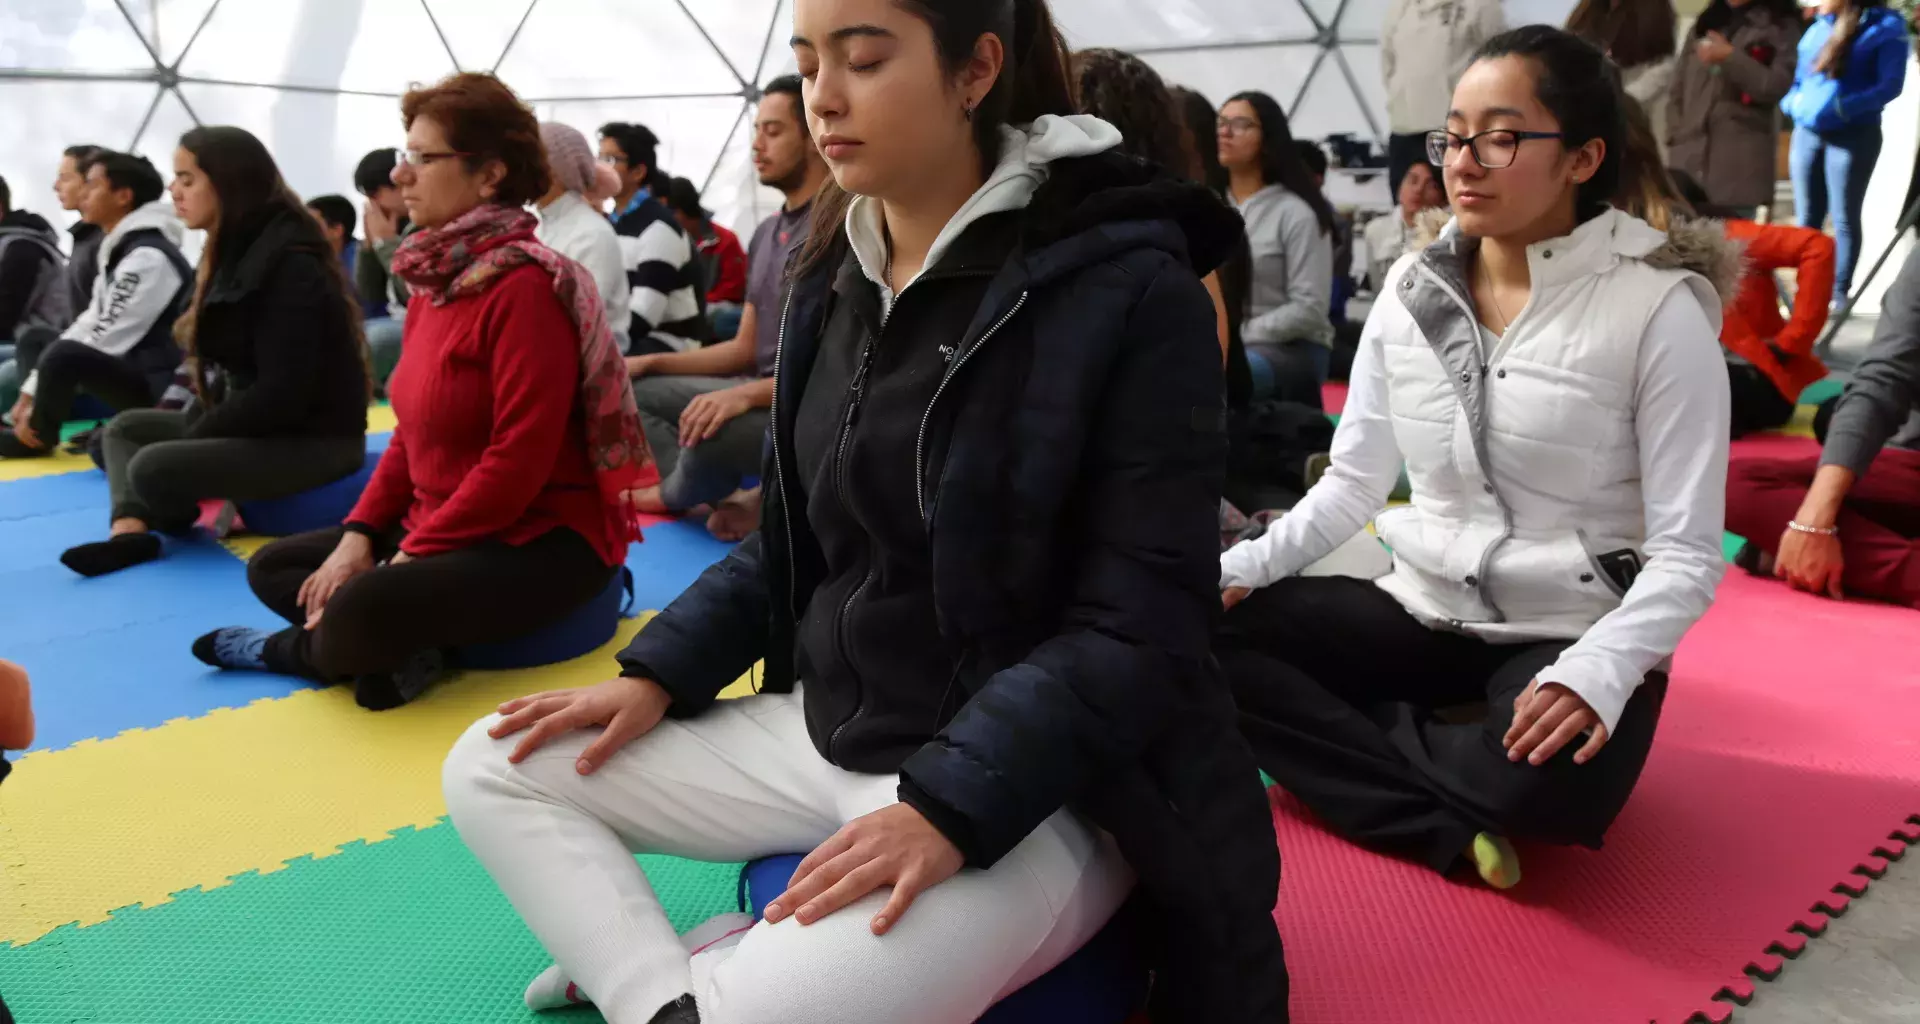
x=1831, y=531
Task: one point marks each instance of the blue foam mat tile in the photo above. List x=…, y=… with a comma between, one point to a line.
x=47, y=495
x=36, y=542
x=671, y=557
x=49, y=602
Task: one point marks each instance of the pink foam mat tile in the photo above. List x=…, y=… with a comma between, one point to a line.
x=1785, y=773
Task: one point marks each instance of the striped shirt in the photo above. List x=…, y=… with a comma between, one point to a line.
x=666, y=302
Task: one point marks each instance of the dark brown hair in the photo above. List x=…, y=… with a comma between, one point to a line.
x=1280, y=162
x=1202, y=119
x=1646, y=190
x=1032, y=82
x=1632, y=32
x=482, y=116
x=252, y=193
x=1123, y=91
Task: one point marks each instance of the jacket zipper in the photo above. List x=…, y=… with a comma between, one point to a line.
x=779, y=470
x=920, y=443
x=857, y=394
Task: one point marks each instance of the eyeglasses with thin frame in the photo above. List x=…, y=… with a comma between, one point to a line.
x=421, y=158
x=1236, y=125
x=1492, y=149
x=612, y=160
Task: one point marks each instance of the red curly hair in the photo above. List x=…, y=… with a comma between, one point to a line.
x=480, y=115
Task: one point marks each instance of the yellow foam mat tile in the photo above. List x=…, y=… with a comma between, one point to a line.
x=380, y=419
x=52, y=465
x=106, y=824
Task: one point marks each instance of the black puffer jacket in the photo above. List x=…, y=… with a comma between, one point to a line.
x=1069, y=476
x=274, y=324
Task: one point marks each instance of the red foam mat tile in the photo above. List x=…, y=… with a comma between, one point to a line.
x=1785, y=773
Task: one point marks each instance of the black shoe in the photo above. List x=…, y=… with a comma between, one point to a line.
x=388, y=690
x=11, y=447
x=680, y=1011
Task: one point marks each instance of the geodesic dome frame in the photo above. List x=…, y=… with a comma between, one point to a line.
x=318, y=79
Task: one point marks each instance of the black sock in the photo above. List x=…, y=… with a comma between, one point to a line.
x=680, y=1011
x=11, y=447
x=112, y=555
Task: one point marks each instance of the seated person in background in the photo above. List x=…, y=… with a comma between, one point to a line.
x=723, y=263
x=575, y=228
x=1391, y=234
x=1291, y=228
x=121, y=349
x=83, y=259
x=337, y=219
x=705, y=410
x=1847, y=521
x=373, y=277
x=497, y=508
x=991, y=716
x=1770, y=361
x=33, y=274
x=273, y=354
x=1316, y=160
x=669, y=302
x=1565, y=529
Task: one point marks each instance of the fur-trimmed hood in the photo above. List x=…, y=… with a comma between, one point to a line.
x=1696, y=244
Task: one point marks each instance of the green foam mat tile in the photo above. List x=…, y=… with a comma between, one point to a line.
x=409, y=929
x=1821, y=390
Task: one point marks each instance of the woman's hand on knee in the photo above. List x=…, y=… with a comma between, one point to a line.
x=1233, y=596
x=894, y=846
x=351, y=557
x=628, y=708
x=1547, y=718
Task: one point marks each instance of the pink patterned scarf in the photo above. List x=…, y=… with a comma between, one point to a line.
x=465, y=256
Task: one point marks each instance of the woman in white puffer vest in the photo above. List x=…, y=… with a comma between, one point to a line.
x=1550, y=370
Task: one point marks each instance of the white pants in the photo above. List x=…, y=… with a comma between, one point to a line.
x=739, y=782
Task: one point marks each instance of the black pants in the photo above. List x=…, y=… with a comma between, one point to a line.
x=157, y=474
x=68, y=368
x=378, y=621
x=1338, y=688
x=1757, y=404
x=1403, y=151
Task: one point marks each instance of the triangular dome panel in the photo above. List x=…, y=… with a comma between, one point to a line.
x=174, y=24
x=1328, y=105
x=88, y=35
x=1277, y=70
x=1166, y=24
x=595, y=48
x=41, y=122
x=478, y=31
x=369, y=45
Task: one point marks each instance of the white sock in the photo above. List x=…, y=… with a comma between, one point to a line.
x=552, y=990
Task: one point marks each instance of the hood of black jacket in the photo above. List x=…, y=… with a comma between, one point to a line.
x=264, y=243
x=23, y=220
x=1092, y=207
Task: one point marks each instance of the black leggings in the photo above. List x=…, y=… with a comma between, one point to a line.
x=1338, y=688
x=378, y=621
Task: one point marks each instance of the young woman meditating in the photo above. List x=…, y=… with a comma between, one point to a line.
x=983, y=588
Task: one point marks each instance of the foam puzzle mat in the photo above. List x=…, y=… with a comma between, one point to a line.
x=191, y=846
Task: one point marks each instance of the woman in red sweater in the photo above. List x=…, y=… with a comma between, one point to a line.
x=499, y=506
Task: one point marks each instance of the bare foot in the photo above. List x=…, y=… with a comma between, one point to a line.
x=647, y=500
x=736, y=518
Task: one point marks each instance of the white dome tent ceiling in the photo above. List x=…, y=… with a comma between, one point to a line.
x=317, y=80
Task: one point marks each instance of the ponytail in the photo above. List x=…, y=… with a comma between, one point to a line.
x=1033, y=83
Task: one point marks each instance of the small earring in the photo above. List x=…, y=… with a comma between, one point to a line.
x=967, y=110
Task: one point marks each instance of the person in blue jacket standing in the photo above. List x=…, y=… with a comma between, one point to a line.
x=1853, y=62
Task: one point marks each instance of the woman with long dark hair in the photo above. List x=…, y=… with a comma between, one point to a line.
x=1639, y=36
x=1199, y=132
x=989, y=701
x=1549, y=371
x=274, y=351
x=1288, y=331
x=1852, y=63
x=1720, y=115
x=500, y=505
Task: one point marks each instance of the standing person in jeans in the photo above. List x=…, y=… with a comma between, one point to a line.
x=1852, y=63
x=983, y=592
x=1847, y=521
x=497, y=509
x=705, y=410
x=1721, y=126
x=121, y=349
x=1290, y=225
x=374, y=280
x=1424, y=46
x=272, y=345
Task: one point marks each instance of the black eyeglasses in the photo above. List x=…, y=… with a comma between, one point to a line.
x=1491, y=149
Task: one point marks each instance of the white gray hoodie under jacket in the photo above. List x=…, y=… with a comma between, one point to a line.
x=142, y=288
x=1024, y=156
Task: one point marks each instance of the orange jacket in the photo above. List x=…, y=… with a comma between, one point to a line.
x=1753, y=330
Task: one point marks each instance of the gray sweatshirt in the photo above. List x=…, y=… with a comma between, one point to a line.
x=1881, y=405
x=1292, y=292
